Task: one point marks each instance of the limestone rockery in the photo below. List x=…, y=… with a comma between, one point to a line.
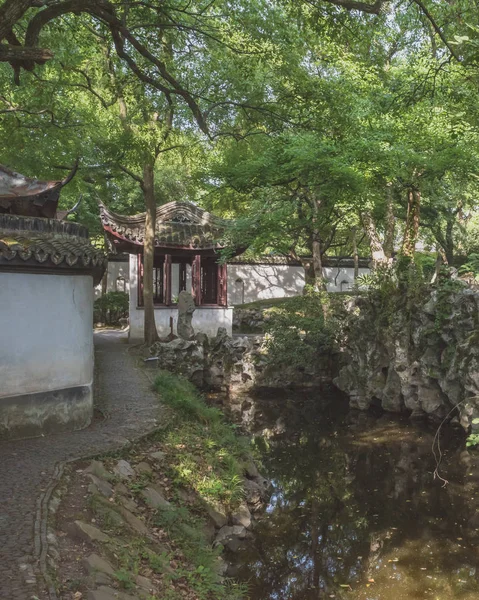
x=424, y=360
x=235, y=366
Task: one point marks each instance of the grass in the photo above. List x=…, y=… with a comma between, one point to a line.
x=181, y=395
x=205, y=454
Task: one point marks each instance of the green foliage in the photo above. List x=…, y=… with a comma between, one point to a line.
x=382, y=281
x=471, y=266
x=297, y=332
x=182, y=395
x=426, y=265
x=205, y=452
x=446, y=289
x=314, y=113
x=473, y=438
x=188, y=530
x=125, y=579
x=111, y=307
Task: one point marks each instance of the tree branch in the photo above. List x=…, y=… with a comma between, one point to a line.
x=131, y=174
x=436, y=28
x=365, y=7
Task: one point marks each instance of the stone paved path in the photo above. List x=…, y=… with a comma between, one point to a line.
x=27, y=466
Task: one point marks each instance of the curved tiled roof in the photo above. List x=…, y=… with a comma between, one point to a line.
x=34, y=242
x=178, y=225
x=21, y=195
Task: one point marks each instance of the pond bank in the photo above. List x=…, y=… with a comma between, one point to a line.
x=151, y=521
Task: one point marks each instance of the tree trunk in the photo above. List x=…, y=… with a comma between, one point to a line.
x=148, y=186
x=377, y=251
x=319, y=283
x=354, y=241
x=449, y=249
x=411, y=231
x=24, y=55
x=308, y=275
x=104, y=283
x=11, y=12
x=390, y=224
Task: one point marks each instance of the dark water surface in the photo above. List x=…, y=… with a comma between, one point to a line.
x=356, y=512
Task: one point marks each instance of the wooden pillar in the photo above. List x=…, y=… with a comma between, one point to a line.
x=222, y=285
x=182, y=277
x=196, y=279
x=167, y=276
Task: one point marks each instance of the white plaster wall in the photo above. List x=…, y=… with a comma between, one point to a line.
x=205, y=319
x=341, y=279
x=136, y=322
x=116, y=269
x=248, y=283
x=263, y=282
x=46, y=336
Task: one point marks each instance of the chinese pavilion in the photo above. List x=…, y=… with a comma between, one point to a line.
x=188, y=241
x=47, y=271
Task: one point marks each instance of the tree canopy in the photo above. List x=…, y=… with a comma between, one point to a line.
x=323, y=126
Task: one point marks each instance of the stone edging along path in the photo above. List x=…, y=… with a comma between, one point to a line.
x=31, y=469
x=46, y=510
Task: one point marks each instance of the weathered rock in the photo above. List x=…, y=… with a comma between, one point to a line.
x=186, y=308
x=101, y=579
x=143, y=468
x=250, y=469
x=98, y=469
x=124, y=470
x=101, y=486
x=217, y=515
x=89, y=533
x=144, y=583
x=129, y=504
x=235, y=365
x=221, y=566
x=134, y=522
x=108, y=593
x=184, y=357
x=158, y=456
x=255, y=494
x=242, y=516
x=120, y=488
x=107, y=513
x=154, y=498
x=229, y=536
x=93, y=563
x=209, y=531
x=425, y=362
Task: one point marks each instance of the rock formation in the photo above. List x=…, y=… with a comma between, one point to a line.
x=186, y=308
x=425, y=362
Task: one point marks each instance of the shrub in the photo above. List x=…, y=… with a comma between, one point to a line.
x=111, y=307
x=471, y=266
x=299, y=331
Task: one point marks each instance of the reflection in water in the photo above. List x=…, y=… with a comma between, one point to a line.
x=356, y=513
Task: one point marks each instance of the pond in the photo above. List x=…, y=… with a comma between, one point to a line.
x=355, y=510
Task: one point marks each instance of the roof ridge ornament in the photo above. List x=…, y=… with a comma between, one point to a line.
x=180, y=225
